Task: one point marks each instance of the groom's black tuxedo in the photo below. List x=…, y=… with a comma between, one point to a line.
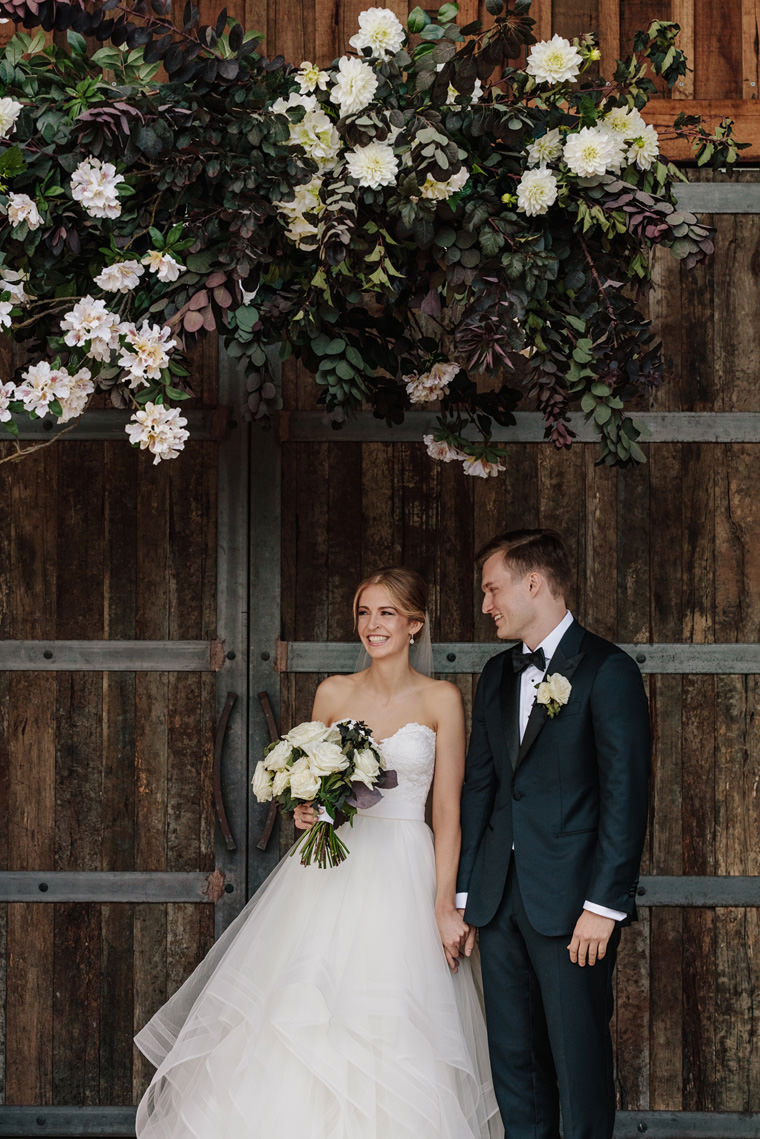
x=571, y=798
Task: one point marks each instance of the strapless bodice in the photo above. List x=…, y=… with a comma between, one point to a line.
x=410, y=752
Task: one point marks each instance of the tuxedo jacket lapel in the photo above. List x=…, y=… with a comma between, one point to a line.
x=510, y=709
x=566, y=659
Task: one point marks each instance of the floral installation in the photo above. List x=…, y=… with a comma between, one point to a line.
x=449, y=216
x=338, y=769
x=553, y=692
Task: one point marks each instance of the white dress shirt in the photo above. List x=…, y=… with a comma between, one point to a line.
x=529, y=678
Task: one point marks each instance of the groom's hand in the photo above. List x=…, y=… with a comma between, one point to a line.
x=469, y=941
x=590, y=936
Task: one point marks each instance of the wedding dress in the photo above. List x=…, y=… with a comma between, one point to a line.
x=327, y=1009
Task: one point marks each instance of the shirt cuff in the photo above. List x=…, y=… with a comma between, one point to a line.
x=460, y=901
x=604, y=912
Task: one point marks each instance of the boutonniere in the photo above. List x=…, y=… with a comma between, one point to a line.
x=553, y=692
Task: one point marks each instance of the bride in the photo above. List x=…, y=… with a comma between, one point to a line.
x=337, y=1005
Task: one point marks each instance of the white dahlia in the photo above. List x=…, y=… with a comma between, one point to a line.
x=10, y=110
x=373, y=165
x=94, y=184
x=355, y=86
x=21, y=208
x=591, y=151
x=644, y=149
x=318, y=137
x=306, y=200
x=439, y=191
x=309, y=77
x=160, y=429
x=554, y=61
x=624, y=122
x=452, y=94
x=546, y=149
x=536, y=191
x=121, y=277
x=381, y=31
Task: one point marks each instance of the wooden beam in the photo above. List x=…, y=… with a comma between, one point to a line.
x=112, y=886
x=120, y=1122
x=111, y=656
x=660, y=427
x=470, y=657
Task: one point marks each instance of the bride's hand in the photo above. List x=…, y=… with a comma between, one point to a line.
x=305, y=816
x=453, y=930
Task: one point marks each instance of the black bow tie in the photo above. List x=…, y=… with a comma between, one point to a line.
x=522, y=660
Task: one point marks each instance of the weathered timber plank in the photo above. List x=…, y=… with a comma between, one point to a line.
x=344, y=542
x=660, y=426
x=116, y=1003
x=103, y=656
x=750, y=10
x=76, y=1005
x=736, y=1020
x=665, y=1005
x=597, y=588
x=718, y=60
x=632, y=1016
x=28, y=1064
x=327, y=656
x=633, y=537
x=150, y=989
x=102, y=886
x=79, y=774
x=561, y=502
x=120, y=1122
x=682, y=13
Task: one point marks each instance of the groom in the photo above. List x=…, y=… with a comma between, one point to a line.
x=554, y=810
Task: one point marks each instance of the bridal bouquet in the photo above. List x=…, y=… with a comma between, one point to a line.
x=338, y=768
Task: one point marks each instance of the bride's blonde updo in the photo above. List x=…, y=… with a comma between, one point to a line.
x=406, y=589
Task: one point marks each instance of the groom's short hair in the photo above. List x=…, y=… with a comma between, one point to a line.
x=527, y=550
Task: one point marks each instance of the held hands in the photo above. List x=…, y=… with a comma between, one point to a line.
x=590, y=936
x=304, y=816
x=454, y=933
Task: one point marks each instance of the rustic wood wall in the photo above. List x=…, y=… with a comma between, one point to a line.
x=111, y=771
x=101, y=771
x=669, y=553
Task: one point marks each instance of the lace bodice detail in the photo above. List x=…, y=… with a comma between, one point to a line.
x=411, y=753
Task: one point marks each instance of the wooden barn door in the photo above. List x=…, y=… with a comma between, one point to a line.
x=124, y=611
x=668, y=565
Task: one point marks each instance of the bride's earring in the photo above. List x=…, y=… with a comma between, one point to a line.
x=411, y=639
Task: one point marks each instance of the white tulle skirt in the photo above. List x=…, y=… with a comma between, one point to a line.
x=327, y=1011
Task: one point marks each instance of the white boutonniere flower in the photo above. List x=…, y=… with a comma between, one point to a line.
x=553, y=692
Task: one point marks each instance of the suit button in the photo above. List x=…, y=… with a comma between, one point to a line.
x=517, y=795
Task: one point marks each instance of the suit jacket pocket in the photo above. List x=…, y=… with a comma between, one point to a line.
x=580, y=830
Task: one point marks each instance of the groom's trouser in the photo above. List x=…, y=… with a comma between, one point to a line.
x=548, y=1028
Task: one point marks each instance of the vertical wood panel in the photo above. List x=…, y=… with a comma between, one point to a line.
x=682, y=12
x=750, y=17
x=718, y=63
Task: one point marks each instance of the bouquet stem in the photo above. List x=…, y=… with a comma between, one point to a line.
x=322, y=845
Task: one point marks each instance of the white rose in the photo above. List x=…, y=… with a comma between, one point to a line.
x=304, y=784
x=325, y=758
x=281, y=781
x=278, y=757
x=262, y=783
x=366, y=767
x=306, y=733
x=559, y=687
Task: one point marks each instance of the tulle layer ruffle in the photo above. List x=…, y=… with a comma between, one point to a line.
x=327, y=1011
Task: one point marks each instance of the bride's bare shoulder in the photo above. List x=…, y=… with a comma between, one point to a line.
x=441, y=694
x=332, y=694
